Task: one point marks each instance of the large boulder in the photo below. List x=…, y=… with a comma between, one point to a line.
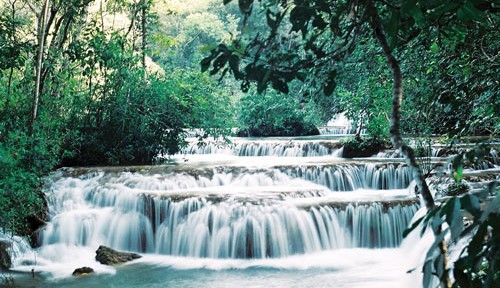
x=108, y=256
x=83, y=271
x=5, y=261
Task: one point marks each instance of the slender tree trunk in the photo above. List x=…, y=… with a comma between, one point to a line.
x=13, y=39
x=396, y=139
x=397, y=97
x=9, y=84
x=41, y=42
x=144, y=35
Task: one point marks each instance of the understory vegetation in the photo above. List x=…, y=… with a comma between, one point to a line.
x=272, y=115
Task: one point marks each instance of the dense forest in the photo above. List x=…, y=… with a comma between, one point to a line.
x=124, y=82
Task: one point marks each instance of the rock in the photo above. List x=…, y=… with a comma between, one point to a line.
x=108, y=256
x=35, y=223
x=83, y=271
x=5, y=261
x=362, y=147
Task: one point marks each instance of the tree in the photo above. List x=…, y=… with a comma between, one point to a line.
x=41, y=30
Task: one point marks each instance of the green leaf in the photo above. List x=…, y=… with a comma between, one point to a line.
x=468, y=12
x=434, y=47
x=470, y=203
x=205, y=63
x=454, y=218
x=459, y=174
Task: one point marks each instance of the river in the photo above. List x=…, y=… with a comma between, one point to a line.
x=274, y=212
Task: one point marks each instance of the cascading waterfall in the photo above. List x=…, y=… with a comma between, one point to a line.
x=160, y=214
x=265, y=148
x=17, y=248
x=352, y=177
x=298, y=202
x=338, y=130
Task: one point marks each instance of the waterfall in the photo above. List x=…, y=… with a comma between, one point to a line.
x=279, y=148
x=159, y=214
x=338, y=130
x=255, y=202
x=351, y=177
x=18, y=246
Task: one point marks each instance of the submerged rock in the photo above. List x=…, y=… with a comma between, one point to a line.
x=108, y=256
x=83, y=271
x=5, y=261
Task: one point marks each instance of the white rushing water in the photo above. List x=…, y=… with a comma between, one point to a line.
x=158, y=213
x=230, y=213
x=277, y=147
x=265, y=207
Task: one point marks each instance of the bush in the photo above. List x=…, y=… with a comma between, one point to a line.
x=362, y=146
x=130, y=126
x=272, y=114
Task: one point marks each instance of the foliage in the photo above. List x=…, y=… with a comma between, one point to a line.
x=318, y=42
x=478, y=262
x=185, y=31
x=270, y=114
x=452, y=83
x=363, y=89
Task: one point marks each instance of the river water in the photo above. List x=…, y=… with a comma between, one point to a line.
x=279, y=212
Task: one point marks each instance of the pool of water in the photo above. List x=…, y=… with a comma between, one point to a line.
x=335, y=268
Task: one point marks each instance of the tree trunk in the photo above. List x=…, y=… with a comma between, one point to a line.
x=13, y=39
x=397, y=97
x=396, y=139
x=144, y=35
x=41, y=42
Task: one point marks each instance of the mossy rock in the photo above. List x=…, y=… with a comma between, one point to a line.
x=363, y=147
x=5, y=261
x=83, y=271
x=108, y=256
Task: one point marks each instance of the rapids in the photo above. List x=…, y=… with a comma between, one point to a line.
x=256, y=209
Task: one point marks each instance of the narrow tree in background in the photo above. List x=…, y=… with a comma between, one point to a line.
x=41, y=31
